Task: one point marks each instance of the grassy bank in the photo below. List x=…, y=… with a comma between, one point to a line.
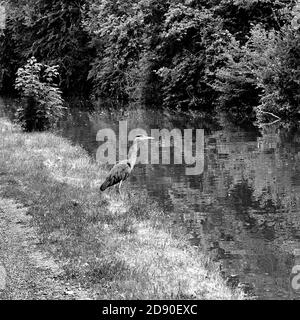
x=118, y=248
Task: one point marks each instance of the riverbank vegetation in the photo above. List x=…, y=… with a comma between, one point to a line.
x=113, y=248
x=42, y=103
x=241, y=56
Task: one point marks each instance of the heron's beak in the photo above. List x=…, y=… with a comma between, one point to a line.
x=148, y=138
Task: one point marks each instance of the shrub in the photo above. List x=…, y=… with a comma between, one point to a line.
x=280, y=79
x=42, y=104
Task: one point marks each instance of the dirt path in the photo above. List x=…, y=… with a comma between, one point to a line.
x=25, y=271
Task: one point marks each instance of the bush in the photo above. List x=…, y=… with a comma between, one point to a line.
x=42, y=104
x=280, y=79
x=237, y=81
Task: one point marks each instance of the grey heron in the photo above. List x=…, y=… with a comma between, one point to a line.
x=121, y=171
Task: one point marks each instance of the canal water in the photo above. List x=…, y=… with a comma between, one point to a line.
x=243, y=209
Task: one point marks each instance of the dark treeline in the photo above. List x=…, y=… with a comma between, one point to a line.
x=238, y=55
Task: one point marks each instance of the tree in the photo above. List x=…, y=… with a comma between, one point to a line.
x=190, y=48
x=280, y=79
x=125, y=35
x=15, y=41
x=58, y=37
x=263, y=74
x=52, y=31
x=239, y=16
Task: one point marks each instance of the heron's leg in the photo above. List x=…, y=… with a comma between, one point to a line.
x=120, y=184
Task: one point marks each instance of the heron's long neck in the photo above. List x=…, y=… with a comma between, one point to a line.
x=132, y=155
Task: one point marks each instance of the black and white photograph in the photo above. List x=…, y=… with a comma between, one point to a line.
x=149, y=151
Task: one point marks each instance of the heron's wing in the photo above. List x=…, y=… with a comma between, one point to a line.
x=119, y=172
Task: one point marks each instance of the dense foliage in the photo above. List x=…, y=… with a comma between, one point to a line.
x=238, y=55
x=52, y=31
x=42, y=102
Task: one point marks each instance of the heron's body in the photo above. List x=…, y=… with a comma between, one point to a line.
x=121, y=171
